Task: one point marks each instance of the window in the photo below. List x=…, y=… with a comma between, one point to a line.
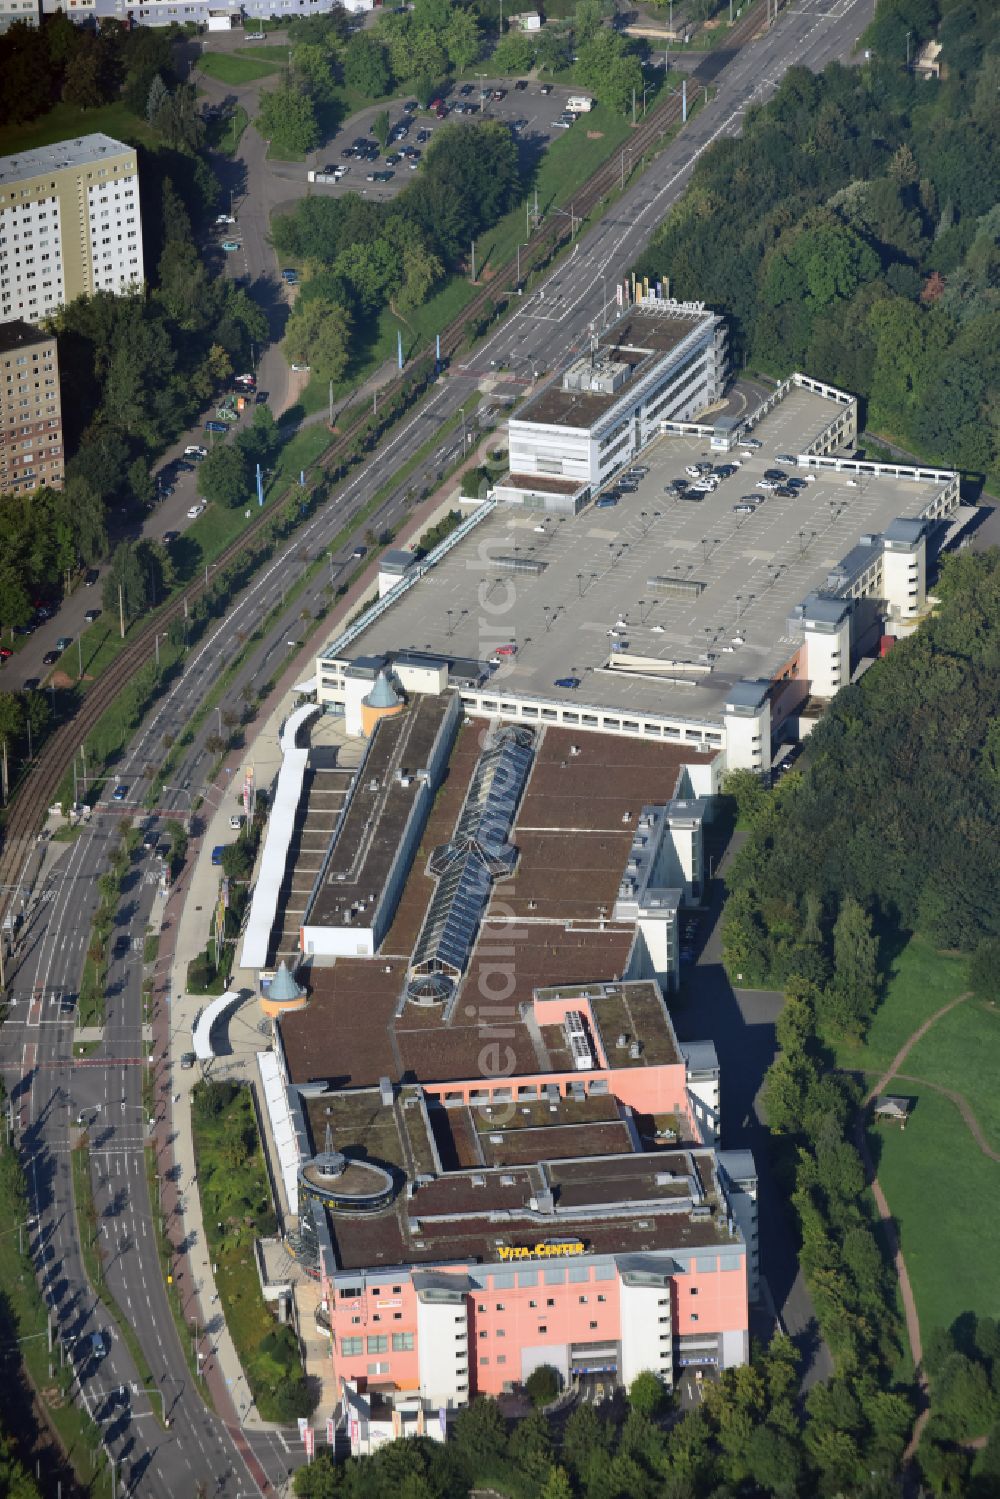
x=397, y=1290
x=501, y=1333
x=593, y=1325
x=501, y=1307
x=532, y=1303
x=483, y=1363
x=501, y=1358
x=542, y=1327
x=583, y=1300
x=350, y=1347
x=694, y=1316
x=482, y=1335
x=694, y=1290
x=378, y=1344
x=550, y=1301
x=480, y=1307
x=402, y=1342
x=348, y=1293
x=602, y=1298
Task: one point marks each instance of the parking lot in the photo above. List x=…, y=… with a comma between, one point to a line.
x=533, y=113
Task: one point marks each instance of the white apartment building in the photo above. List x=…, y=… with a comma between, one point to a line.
x=70, y=225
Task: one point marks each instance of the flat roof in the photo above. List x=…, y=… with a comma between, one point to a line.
x=82, y=151
x=617, y=1203
x=17, y=335
x=755, y=569
x=369, y=836
x=577, y=819
x=536, y=1129
x=638, y=340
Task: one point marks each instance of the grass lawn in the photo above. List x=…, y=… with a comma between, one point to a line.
x=224, y=132
x=64, y=121
x=265, y=54
x=298, y=454
x=962, y=1052
x=943, y=1194
x=920, y=982
x=230, y=67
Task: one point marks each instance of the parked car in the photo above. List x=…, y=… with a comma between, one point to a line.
x=92, y=615
x=744, y=509
x=64, y=642
x=568, y=682
x=5, y=653
x=216, y=427
x=50, y=658
x=230, y=245
x=90, y=577
x=195, y=450
x=785, y=457
x=465, y=90
x=521, y=85
x=31, y=684
x=301, y=369
x=360, y=551
x=606, y=501
x=225, y=218
x=169, y=536
x=194, y=511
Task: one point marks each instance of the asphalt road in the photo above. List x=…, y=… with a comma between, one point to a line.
x=36, y=1041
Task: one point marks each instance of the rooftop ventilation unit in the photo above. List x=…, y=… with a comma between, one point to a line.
x=635, y=1050
x=385, y=1092
x=576, y=1039
x=622, y=1041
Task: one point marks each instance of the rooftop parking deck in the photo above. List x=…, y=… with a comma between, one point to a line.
x=682, y=654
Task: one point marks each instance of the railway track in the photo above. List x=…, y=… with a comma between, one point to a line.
x=37, y=789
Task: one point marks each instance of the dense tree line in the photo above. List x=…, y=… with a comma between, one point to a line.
x=84, y=66
x=751, y=1435
x=853, y=230
x=363, y=256
x=896, y=810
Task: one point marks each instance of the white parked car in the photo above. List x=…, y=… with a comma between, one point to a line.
x=225, y=218
x=301, y=369
x=195, y=450
x=195, y=511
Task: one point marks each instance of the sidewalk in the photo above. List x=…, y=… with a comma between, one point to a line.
x=183, y=917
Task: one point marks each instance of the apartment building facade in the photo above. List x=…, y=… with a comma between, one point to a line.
x=70, y=224
x=31, y=435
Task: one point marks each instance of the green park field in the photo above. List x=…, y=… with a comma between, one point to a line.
x=942, y=1187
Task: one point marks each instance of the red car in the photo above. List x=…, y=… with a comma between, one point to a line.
x=5, y=653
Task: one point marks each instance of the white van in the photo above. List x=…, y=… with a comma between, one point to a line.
x=580, y=104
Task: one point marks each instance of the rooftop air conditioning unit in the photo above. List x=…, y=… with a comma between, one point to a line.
x=574, y=749
x=635, y=1050
x=622, y=1041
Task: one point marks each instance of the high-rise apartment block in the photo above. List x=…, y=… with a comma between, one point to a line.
x=31, y=437
x=69, y=225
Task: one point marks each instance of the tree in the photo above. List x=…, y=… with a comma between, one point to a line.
x=126, y=586
x=313, y=70
x=288, y=118
x=530, y=1447
x=480, y=1430
x=319, y=334
x=366, y=66
x=984, y=969
x=223, y=477
x=381, y=126
x=647, y=1394
x=557, y=1485
x=514, y=53
x=11, y=726
x=855, y=964
x=543, y=1384
x=607, y=67
x=462, y=39
x=157, y=97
